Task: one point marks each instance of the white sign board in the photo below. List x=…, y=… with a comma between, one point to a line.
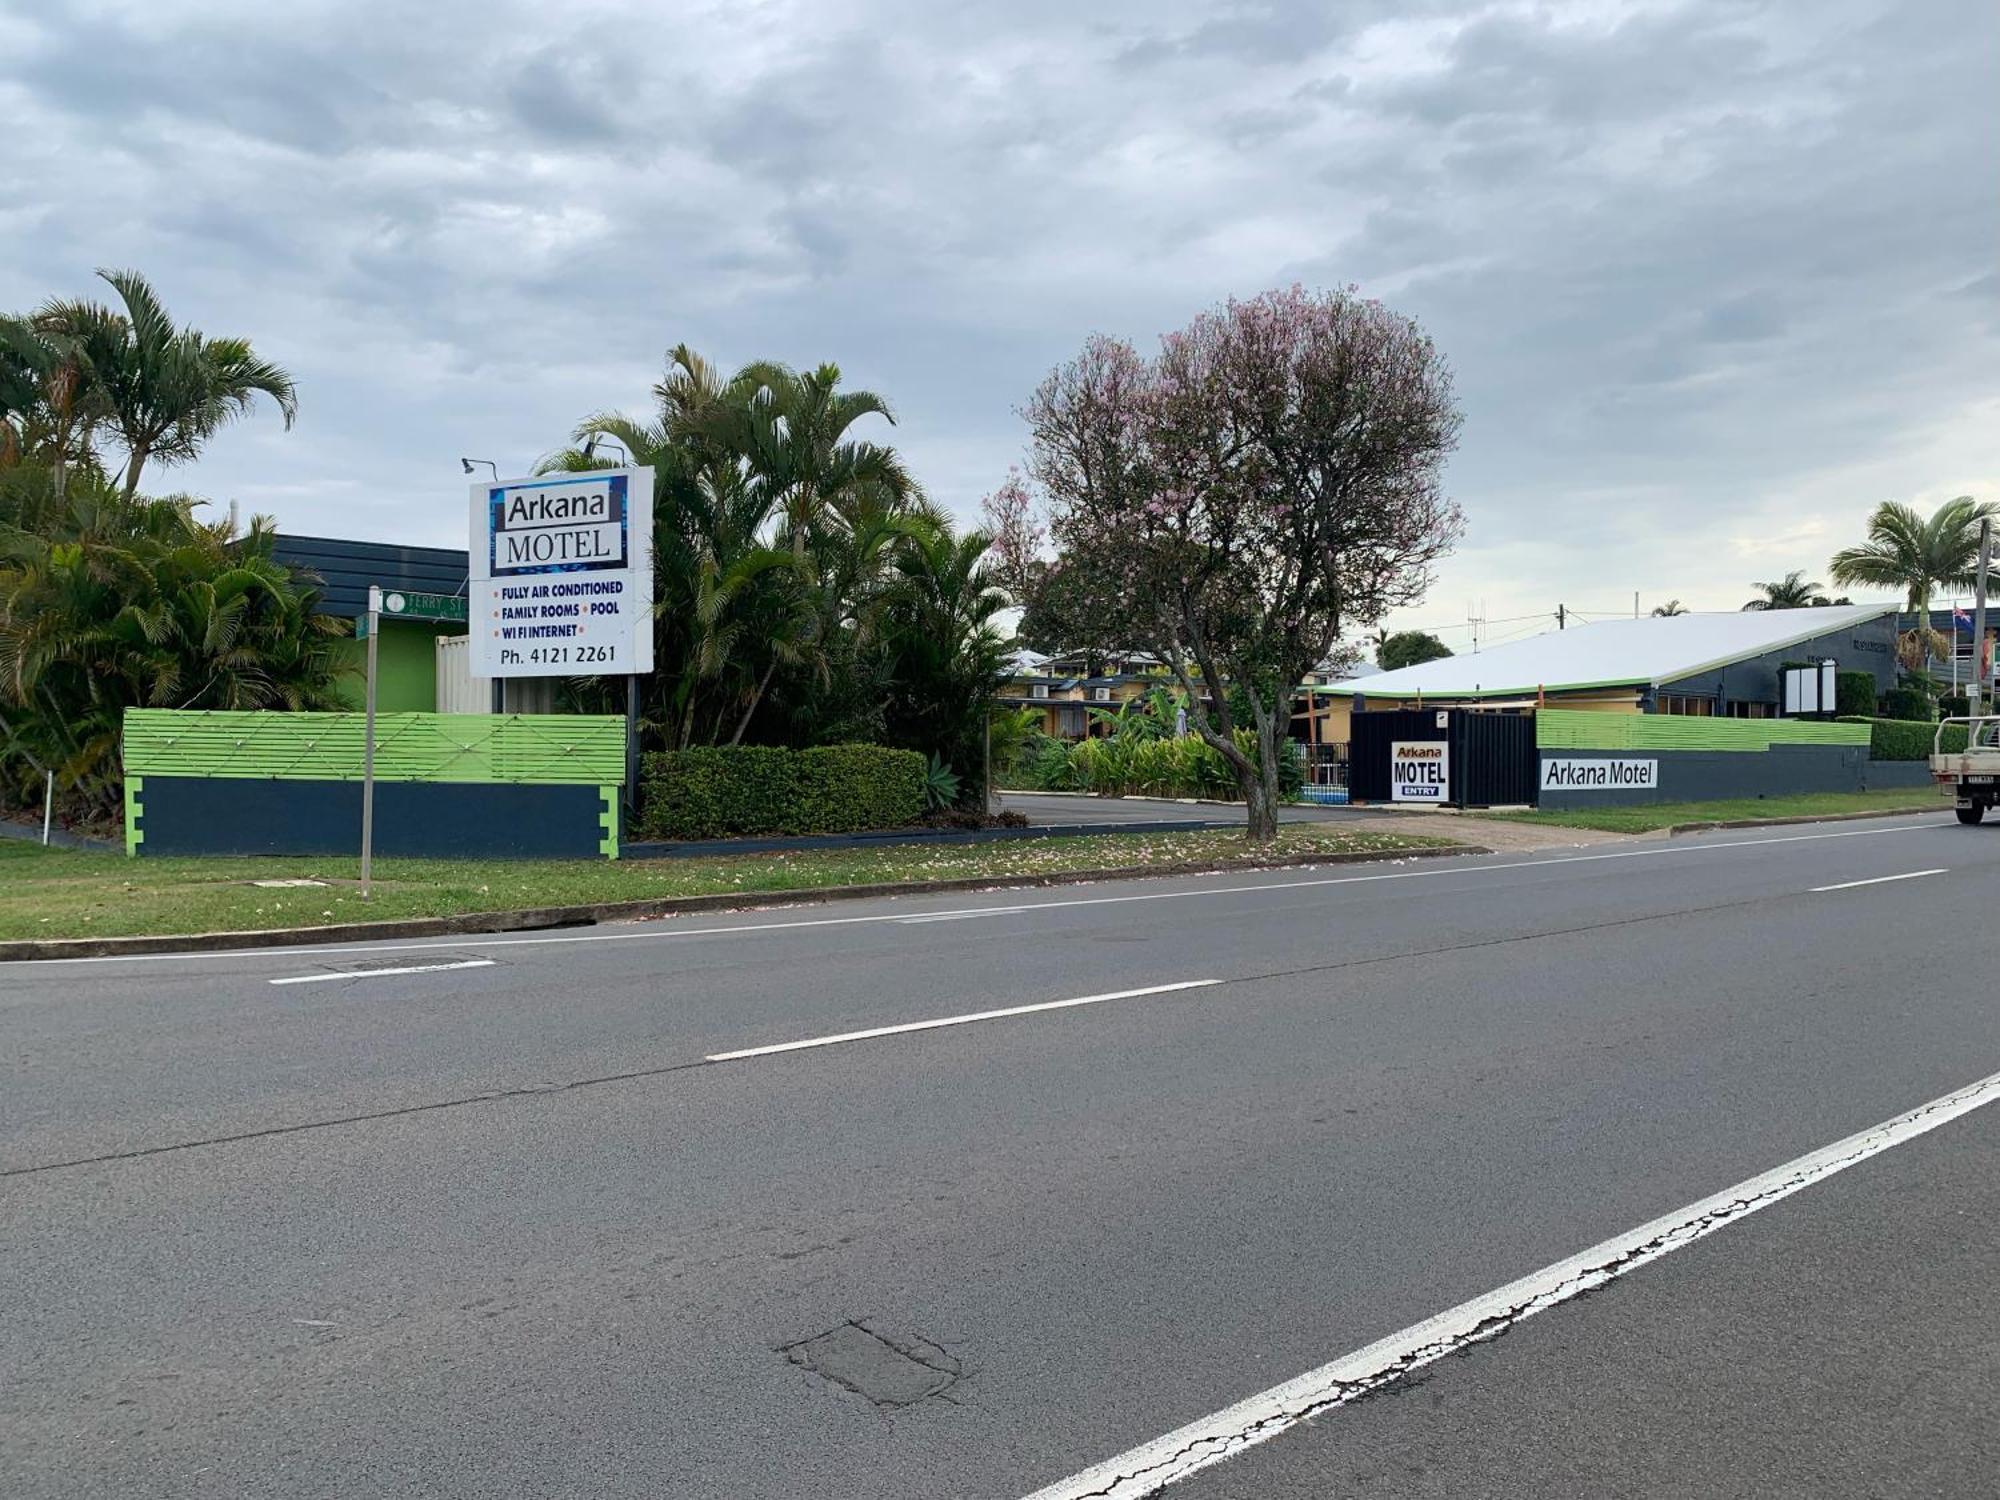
x=1599, y=775
x=1809, y=690
x=1419, y=771
x=562, y=575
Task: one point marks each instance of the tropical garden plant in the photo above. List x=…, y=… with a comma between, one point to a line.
x=110, y=599
x=806, y=592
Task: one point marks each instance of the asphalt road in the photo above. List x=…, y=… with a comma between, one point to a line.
x=505, y=1229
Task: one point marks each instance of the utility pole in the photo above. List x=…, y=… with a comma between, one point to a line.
x=1976, y=695
x=1562, y=617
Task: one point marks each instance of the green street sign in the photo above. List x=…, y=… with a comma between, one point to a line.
x=449, y=607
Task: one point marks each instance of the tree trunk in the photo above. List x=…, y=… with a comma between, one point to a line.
x=1260, y=781
x=755, y=699
x=133, y=470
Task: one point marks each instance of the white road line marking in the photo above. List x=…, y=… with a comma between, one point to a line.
x=470, y=963
x=1445, y=868
x=1151, y=1467
x=962, y=916
x=1848, y=885
x=965, y=1020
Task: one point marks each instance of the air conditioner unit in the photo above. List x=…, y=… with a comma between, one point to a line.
x=1039, y=690
x=1101, y=695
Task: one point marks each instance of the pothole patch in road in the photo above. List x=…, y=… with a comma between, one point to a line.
x=888, y=1372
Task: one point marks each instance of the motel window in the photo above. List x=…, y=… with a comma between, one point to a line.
x=1685, y=703
x=1741, y=710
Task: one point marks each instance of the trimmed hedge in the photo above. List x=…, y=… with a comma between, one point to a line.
x=1854, y=694
x=1907, y=704
x=724, y=791
x=1906, y=739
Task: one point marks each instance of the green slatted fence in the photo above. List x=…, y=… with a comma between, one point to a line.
x=1579, y=729
x=534, y=748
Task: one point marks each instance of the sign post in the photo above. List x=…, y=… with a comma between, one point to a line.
x=368, y=743
x=1982, y=672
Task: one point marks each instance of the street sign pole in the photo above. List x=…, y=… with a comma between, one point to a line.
x=368, y=744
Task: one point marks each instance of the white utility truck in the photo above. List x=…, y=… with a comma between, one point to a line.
x=1973, y=774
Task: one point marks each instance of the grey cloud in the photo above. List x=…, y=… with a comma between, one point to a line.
x=1698, y=256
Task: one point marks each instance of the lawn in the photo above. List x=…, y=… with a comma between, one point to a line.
x=1669, y=814
x=49, y=893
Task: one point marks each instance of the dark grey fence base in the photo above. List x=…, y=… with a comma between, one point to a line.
x=413, y=819
x=1717, y=775
x=1888, y=775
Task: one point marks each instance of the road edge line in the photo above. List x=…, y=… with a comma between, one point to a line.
x=1152, y=1467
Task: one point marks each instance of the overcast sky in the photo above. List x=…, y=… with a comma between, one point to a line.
x=1715, y=276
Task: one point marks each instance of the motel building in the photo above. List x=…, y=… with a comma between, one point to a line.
x=1722, y=665
x=1656, y=709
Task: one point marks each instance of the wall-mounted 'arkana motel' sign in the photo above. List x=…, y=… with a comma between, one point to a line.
x=562, y=575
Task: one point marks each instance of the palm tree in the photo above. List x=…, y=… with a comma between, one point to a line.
x=161, y=390
x=947, y=657
x=111, y=602
x=1668, y=610
x=1792, y=592
x=1917, y=555
x=772, y=530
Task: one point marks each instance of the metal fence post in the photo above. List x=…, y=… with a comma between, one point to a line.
x=368, y=744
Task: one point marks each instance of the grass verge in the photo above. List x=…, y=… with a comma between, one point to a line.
x=1670, y=814
x=57, y=893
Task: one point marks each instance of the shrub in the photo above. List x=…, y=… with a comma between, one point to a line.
x=1854, y=694
x=725, y=790
x=1906, y=739
x=1907, y=703
x=847, y=787
x=1183, y=766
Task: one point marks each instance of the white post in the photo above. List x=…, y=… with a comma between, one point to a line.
x=1954, y=645
x=368, y=745
x=48, y=804
x=1977, y=694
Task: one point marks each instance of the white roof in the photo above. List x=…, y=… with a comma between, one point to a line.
x=1653, y=650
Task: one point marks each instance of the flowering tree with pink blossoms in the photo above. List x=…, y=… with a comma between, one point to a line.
x=1271, y=478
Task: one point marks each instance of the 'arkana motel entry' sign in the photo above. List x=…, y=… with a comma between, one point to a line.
x=1419, y=771
x=562, y=575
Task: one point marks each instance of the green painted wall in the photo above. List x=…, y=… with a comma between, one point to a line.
x=558, y=748
x=405, y=668
x=1573, y=729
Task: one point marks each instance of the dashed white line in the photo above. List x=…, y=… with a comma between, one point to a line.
x=1152, y=1467
x=469, y=963
x=1849, y=885
x=964, y=1020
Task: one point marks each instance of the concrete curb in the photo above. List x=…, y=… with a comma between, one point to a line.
x=1851, y=817
x=546, y=917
